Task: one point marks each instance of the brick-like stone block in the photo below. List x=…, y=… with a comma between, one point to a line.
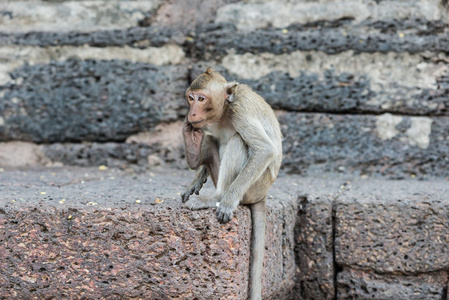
x=92, y=100
x=110, y=234
x=356, y=284
x=280, y=266
x=395, y=146
x=314, y=248
x=393, y=226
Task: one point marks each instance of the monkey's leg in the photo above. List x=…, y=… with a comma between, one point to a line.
x=197, y=183
x=258, y=216
x=233, y=158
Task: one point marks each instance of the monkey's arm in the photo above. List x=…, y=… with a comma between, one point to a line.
x=193, y=139
x=201, y=154
x=261, y=152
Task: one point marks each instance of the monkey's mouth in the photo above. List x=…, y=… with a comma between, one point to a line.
x=197, y=123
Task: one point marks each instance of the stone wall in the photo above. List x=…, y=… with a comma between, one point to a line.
x=360, y=87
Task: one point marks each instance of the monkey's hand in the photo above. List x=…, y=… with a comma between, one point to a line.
x=193, y=188
x=197, y=184
x=224, y=212
x=193, y=138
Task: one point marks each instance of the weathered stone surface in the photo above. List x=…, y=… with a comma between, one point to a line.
x=344, y=83
x=15, y=57
x=314, y=243
x=393, y=226
x=215, y=41
x=394, y=146
x=178, y=14
x=23, y=16
x=91, y=100
x=96, y=154
x=139, y=37
x=354, y=284
x=21, y=154
x=162, y=146
x=112, y=234
x=250, y=15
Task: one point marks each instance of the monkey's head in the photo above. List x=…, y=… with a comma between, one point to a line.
x=206, y=97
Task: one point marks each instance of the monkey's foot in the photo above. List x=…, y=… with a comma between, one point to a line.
x=198, y=202
x=193, y=188
x=224, y=213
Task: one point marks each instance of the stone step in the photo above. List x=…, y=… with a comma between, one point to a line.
x=110, y=234
x=106, y=233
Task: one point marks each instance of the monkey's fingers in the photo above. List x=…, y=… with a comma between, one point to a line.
x=185, y=197
x=224, y=215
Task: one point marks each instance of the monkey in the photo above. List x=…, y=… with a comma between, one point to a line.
x=232, y=135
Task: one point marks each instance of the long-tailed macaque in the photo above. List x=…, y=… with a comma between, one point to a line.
x=233, y=135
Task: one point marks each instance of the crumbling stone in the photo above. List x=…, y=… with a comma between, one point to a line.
x=108, y=234
x=90, y=100
x=314, y=248
x=365, y=144
x=393, y=226
x=368, y=285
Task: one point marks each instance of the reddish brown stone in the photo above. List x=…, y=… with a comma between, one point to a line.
x=110, y=234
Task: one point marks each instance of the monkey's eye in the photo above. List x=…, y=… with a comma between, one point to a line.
x=200, y=98
x=191, y=98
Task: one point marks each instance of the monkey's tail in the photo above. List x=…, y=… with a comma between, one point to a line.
x=258, y=216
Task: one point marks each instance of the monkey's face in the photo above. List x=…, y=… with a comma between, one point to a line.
x=201, y=110
x=206, y=98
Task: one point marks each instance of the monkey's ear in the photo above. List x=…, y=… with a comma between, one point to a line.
x=230, y=91
x=209, y=71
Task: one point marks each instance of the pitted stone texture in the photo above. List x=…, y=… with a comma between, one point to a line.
x=249, y=15
x=393, y=226
x=314, y=246
x=215, y=41
x=354, y=284
x=103, y=234
x=394, y=146
x=91, y=100
x=344, y=83
x=23, y=16
x=139, y=37
x=179, y=14
x=279, y=266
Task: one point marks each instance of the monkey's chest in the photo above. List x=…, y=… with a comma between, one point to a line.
x=221, y=134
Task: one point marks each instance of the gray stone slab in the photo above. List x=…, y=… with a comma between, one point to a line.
x=394, y=227
x=92, y=100
x=314, y=248
x=214, y=40
x=393, y=146
x=355, y=284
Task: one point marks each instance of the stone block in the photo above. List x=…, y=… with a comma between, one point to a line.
x=314, y=248
x=215, y=40
x=92, y=100
x=22, y=16
x=113, y=234
x=394, y=146
x=356, y=284
x=393, y=227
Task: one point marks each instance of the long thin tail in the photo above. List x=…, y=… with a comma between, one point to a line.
x=258, y=216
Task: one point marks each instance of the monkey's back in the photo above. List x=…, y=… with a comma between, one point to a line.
x=252, y=104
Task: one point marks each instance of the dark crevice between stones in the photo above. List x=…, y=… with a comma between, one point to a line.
x=337, y=268
x=445, y=291
x=303, y=202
